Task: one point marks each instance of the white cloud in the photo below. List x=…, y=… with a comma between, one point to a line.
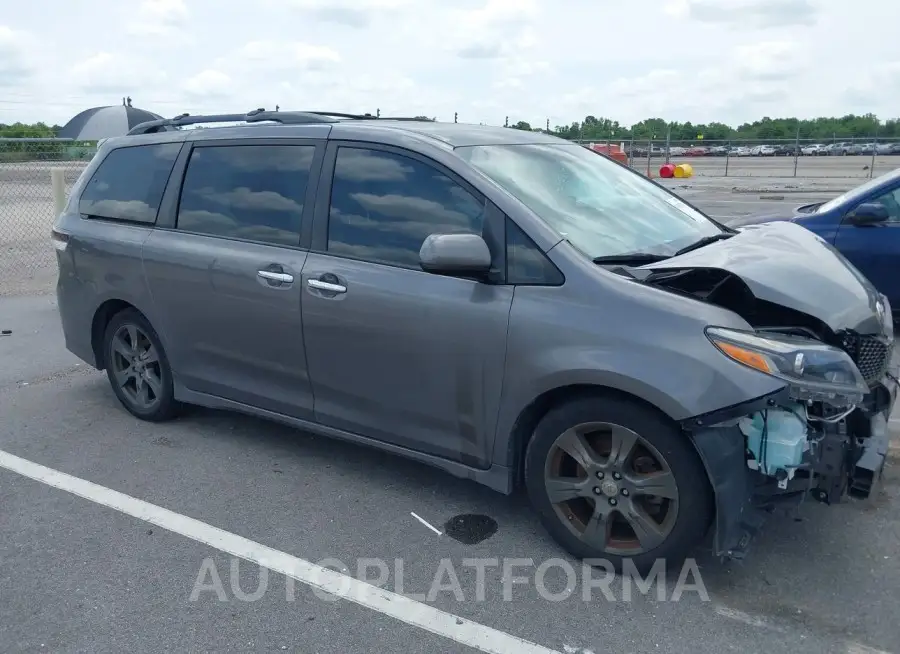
x=110, y=74
x=746, y=13
x=347, y=13
x=533, y=60
x=15, y=65
x=209, y=84
x=265, y=54
x=159, y=18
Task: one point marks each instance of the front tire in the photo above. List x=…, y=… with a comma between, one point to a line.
x=611, y=479
x=137, y=367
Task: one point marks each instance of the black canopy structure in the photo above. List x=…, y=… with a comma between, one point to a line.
x=105, y=122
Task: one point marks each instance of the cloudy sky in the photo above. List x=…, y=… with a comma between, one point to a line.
x=533, y=60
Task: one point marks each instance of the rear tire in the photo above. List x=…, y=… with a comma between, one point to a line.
x=138, y=369
x=601, y=507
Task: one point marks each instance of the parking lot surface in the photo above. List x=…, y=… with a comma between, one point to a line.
x=152, y=554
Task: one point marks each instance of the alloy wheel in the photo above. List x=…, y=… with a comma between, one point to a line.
x=612, y=488
x=136, y=367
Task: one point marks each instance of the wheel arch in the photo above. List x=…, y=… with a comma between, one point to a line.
x=102, y=316
x=528, y=419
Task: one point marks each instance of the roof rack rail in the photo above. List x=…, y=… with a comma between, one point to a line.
x=255, y=116
x=258, y=116
x=368, y=116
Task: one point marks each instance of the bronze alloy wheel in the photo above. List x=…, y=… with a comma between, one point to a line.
x=612, y=489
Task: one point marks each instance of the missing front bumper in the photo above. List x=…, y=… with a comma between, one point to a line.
x=849, y=460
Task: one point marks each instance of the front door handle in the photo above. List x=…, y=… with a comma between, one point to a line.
x=328, y=287
x=280, y=277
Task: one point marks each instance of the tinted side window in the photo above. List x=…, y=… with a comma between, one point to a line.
x=129, y=183
x=525, y=263
x=384, y=205
x=253, y=192
x=891, y=202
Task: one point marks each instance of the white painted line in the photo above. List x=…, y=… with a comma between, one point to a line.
x=400, y=607
x=856, y=648
x=745, y=618
x=755, y=621
x=422, y=520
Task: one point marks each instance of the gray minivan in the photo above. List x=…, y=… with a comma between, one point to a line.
x=505, y=305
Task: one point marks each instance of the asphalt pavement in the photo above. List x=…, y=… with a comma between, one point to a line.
x=118, y=535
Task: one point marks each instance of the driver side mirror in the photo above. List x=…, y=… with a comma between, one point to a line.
x=463, y=255
x=869, y=213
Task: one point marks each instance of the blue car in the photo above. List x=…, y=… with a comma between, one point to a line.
x=863, y=224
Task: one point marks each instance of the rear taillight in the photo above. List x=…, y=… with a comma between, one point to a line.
x=60, y=240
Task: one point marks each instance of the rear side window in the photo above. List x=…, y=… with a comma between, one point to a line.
x=129, y=183
x=250, y=192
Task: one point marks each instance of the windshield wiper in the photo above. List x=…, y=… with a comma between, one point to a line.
x=640, y=258
x=703, y=242
x=631, y=257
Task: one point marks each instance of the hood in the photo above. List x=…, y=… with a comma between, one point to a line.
x=788, y=215
x=785, y=264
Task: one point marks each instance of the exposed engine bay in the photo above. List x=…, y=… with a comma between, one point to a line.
x=825, y=435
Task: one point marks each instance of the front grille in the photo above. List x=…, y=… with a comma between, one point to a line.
x=871, y=354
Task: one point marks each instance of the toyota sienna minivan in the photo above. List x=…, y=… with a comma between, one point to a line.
x=505, y=305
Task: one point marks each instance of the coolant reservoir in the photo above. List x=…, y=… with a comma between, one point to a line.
x=783, y=443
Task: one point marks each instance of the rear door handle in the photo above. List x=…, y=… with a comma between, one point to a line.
x=328, y=287
x=283, y=278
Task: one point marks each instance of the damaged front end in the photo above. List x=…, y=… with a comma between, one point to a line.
x=823, y=435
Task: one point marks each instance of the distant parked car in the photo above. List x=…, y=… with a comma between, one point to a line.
x=857, y=149
x=696, y=151
x=763, y=151
x=812, y=150
x=676, y=151
x=741, y=151
x=786, y=150
x=863, y=224
x=838, y=149
x=718, y=151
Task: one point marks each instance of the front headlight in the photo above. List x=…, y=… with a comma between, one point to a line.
x=814, y=371
x=887, y=317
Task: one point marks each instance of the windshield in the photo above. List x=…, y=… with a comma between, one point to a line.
x=859, y=192
x=600, y=207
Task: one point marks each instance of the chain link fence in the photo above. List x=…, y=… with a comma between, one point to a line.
x=27, y=260
x=852, y=158
x=28, y=263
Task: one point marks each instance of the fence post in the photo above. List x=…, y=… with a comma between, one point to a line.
x=727, y=155
x=58, y=185
x=874, y=152
x=649, y=148
x=797, y=150
x=668, y=141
